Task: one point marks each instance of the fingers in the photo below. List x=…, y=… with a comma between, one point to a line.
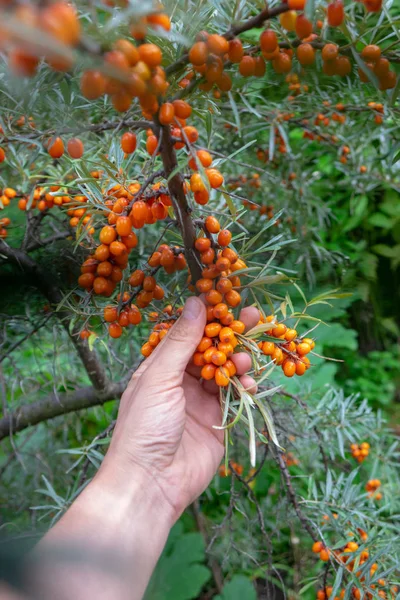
x=178, y=346
x=249, y=384
x=249, y=316
x=242, y=362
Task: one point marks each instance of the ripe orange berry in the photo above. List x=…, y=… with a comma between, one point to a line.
x=268, y=348
x=75, y=148
x=226, y=335
x=317, y=547
x=282, y=63
x=222, y=264
x=198, y=359
x=115, y=330
x=224, y=285
x=212, y=224
x=303, y=27
x=330, y=52
x=151, y=144
x=128, y=142
x=207, y=257
x=335, y=13
x=288, y=19
x=306, y=54
x=279, y=330
x=289, y=367
x=218, y=358
x=268, y=40
x=296, y=4
x=102, y=252
x=146, y=349
x=107, y=235
x=303, y=348
x=371, y=53
x=110, y=314
x=235, y=52
x=166, y=113
x=202, y=244
x=104, y=269
x=220, y=309
x=247, y=66
x=238, y=327
x=211, y=330
x=213, y=297
x=208, y=372
x=150, y=54
x=215, y=178
x=198, y=53
x=183, y=110
x=324, y=555
x=204, y=285
x=222, y=376
x=123, y=226
x=217, y=44
x=2, y=155
x=191, y=133
x=290, y=334
x=56, y=147
x=277, y=356
x=134, y=315
x=204, y=344
x=86, y=280
x=233, y=298
x=93, y=84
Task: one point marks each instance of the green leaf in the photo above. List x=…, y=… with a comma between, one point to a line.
x=239, y=588
x=180, y=573
x=380, y=220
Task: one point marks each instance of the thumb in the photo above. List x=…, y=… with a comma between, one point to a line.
x=177, y=348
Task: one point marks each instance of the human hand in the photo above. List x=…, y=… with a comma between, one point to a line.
x=164, y=433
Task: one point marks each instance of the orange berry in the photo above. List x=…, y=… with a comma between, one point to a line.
x=224, y=285
x=198, y=53
x=150, y=54
x=306, y=54
x=204, y=344
x=115, y=330
x=213, y=297
x=208, y=372
x=335, y=13
x=268, y=40
x=217, y=44
x=303, y=348
x=212, y=224
x=238, y=327
x=183, y=110
x=75, y=148
x=204, y=285
x=56, y=147
x=211, y=330
x=317, y=547
x=233, y=298
x=324, y=555
x=235, y=52
x=107, y=235
x=166, y=113
x=224, y=237
x=202, y=244
x=128, y=142
x=303, y=27
x=289, y=367
x=247, y=66
x=222, y=376
x=220, y=309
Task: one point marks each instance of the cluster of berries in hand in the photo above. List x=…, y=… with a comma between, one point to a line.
x=219, y=284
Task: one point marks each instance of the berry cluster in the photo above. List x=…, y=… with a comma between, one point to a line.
x=218, y=285
x=353, y=558
x=360, y=451
x=4, y=223
x=371, y=487
x=160, y=329
x=288, y=350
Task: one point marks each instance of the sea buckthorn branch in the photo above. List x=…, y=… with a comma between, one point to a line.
x=181, y=207
x=234, y=31
x=90, y=360
x=93, y=128
x=55, y=405
x=292, y=494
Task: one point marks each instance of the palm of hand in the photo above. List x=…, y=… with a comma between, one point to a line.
x=172, y=437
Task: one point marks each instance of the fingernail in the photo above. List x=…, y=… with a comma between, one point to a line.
x=192, y=308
